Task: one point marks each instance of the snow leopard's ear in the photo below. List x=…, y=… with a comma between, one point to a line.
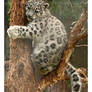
x=46, y=5
x=28, y=2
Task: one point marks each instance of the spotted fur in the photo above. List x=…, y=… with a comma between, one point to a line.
x=49, y=37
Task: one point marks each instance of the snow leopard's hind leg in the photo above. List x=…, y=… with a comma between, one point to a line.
x=75, y=78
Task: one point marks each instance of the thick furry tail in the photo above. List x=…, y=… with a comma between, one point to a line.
x=75, y=78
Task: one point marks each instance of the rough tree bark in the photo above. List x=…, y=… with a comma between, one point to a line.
x=20, y=76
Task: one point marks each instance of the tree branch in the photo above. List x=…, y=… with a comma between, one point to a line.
x=74, y=37
x=81, y=45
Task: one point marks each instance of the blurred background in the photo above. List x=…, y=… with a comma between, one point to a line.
x=68, y=11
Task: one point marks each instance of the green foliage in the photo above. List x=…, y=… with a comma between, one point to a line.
x=67, y=9
x=69, y=83
x=8, y=9
x=8, y=4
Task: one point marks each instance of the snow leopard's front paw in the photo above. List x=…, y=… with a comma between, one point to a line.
x=13, y=32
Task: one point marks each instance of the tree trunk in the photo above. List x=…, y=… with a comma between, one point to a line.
x=20, y=75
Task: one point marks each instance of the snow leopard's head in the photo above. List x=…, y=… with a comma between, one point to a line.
x=35, y=9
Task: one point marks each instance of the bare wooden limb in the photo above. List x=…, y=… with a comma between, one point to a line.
x=82, y=72
x=73, y=39
x=81, y=45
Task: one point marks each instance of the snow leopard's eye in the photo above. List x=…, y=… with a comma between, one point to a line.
x=37, y=10
x=28, y=7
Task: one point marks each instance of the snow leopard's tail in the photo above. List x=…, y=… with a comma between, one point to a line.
x=76, y=83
